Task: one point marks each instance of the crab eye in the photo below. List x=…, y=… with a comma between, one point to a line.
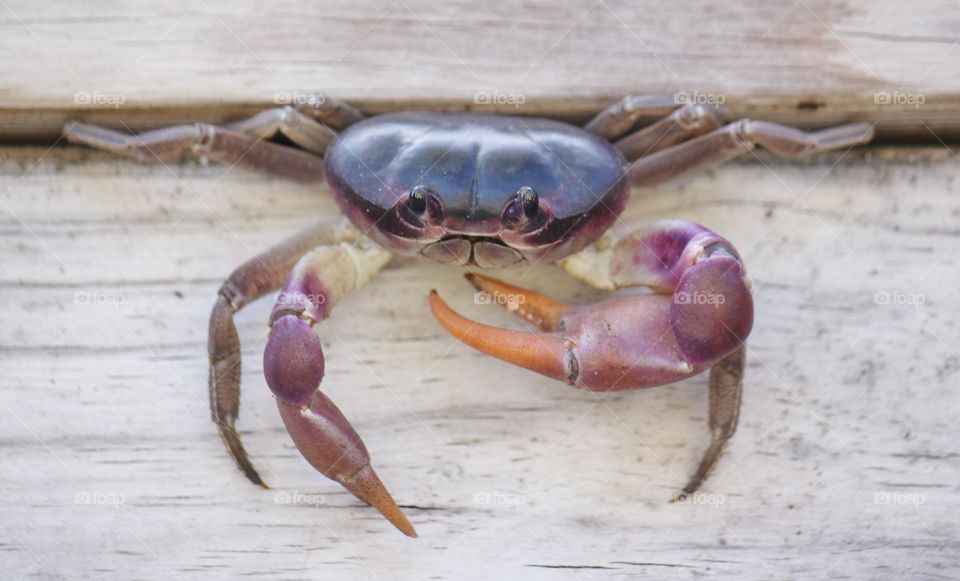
x=528, y=201
x=417, y=200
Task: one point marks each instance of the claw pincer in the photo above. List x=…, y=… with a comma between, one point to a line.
x=701, y=311
x=697, y=318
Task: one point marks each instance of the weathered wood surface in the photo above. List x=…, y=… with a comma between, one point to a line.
x=845, y=464
x=807, y=62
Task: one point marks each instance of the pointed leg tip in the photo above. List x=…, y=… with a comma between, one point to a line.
x=231, y=438
x=368, y=487
x=253, y=476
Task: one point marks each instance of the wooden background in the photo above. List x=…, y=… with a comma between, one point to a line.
x=846, y=462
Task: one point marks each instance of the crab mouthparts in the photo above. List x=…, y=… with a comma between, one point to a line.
x=464, y=250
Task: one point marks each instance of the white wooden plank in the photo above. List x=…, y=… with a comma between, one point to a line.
x=846, y=399
x=145, y=64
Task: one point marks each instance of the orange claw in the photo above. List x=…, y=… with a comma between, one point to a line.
x=625, y=342
x=545, y=353
x=539, y=309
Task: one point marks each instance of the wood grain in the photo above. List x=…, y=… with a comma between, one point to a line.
x=805, y=62
x=845, y=463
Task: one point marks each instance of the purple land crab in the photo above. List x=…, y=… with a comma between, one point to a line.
x=478, y=190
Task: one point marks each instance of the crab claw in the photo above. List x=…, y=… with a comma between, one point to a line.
x=293, y=366
x=633, y=341
x=698, y=318
x=546, y=354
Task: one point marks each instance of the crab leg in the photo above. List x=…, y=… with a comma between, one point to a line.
x=685, y=123
x=291, y=123
x=726, y=387
x=698, y=318
x=691, y=137
x=620, y=117
x=329, y=111
x=308, y=125
x=251, y=280
x=293, y=365
x=201, y=140
x=740, y=137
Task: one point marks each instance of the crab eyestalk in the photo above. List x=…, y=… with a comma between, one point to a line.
x=293, y=365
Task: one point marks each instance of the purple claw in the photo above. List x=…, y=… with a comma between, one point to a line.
x=293, y=365
x=331, y=445
x=704, y=313
x=293, y=360
x=712, y=310
x=657, y=255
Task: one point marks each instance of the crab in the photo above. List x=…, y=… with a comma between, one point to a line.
x=483, y=191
